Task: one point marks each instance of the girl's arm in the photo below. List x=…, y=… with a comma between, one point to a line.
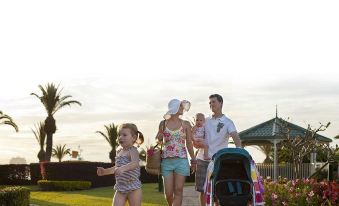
x=130, y=166
x=108, y=171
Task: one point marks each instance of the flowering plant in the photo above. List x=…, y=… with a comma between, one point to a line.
x=301, y=192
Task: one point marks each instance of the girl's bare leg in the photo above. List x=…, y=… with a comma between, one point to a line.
x=134, y=197
x=119, y=199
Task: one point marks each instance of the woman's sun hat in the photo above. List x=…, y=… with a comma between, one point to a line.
x=174, y=105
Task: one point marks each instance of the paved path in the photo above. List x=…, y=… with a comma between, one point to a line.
x=191, y=197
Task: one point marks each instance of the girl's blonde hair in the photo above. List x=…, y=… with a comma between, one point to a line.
x=134, y=131
x=199, y=114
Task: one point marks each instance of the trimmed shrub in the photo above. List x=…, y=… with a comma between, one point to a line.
x=14, y=196
x=35, y=173
x=86, y=171
x=15, y=174
x=78, y=171
x=50, y=185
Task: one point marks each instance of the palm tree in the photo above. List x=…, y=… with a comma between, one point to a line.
x=267, y=150
x=5, y=119
x=111, y=137
x=40, y=136
x=52, y=101
x=336, y=137
x=60, y=152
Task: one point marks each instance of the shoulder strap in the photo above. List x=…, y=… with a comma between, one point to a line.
x=163, y=125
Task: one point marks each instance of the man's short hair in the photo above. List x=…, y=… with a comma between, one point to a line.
x=218, y=96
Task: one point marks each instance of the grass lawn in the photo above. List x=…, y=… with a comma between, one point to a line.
x=94, y=197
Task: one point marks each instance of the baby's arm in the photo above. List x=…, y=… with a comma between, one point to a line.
x=130, y=166
x=108, y=171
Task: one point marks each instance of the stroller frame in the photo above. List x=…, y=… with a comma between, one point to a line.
x=236, y=179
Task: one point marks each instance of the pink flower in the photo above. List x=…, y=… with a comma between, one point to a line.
x=167, y=136
x=150, y=151
x=274, y=196
x=311, y=194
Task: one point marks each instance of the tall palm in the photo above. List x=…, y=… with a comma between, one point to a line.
x=267, y=150
x=60, y=152
x=5, y=119
x=111, y=137
x=336, y=137
x=52, y=101
x=40, y=136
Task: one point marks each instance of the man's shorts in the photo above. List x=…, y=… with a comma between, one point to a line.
x=177, y=165
x=200, y=175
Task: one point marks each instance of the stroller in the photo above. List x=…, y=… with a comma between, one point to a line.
x=231, y=178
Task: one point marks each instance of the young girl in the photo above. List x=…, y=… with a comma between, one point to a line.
x=126, y=169
x=199, y=133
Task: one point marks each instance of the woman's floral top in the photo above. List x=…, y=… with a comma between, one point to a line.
x=174, y=144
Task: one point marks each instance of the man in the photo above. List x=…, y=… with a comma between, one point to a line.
x=218, y=129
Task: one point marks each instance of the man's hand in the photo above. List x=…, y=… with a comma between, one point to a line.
x=193, y=165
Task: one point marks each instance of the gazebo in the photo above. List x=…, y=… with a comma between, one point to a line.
x=267, y=133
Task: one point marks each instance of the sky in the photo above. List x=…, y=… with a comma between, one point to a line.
x=125, y=60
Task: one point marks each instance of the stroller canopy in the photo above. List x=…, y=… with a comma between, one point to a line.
x=230, y=154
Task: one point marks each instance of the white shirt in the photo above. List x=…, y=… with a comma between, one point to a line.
x=215, y=139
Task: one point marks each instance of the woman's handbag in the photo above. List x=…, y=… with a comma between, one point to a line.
x=153, y=158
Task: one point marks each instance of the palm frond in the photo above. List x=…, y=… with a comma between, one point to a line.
x=6, y=119
x=40, y=134
x=111, y=134
x=60, y=152
x=63, y=104
x=52, y=100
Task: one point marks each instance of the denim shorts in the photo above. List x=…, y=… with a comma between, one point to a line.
x=177, y=165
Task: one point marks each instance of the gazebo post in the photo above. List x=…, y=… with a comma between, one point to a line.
x=275, y=160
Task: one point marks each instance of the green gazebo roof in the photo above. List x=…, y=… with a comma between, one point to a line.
x=264, y=132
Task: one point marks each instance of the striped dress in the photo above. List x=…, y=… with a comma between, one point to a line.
x=129, y=180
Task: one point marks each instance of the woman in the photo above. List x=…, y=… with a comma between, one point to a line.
x=175, y=134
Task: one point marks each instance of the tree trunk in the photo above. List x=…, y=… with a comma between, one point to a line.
x=50, y=129
x=112, y=155
x=49, y=146
x=41, y=155
x=297, y=169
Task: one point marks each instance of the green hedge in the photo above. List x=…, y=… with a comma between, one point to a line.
x=77, y=171
x=15, y=174
x=64, y=185
x=14, y=196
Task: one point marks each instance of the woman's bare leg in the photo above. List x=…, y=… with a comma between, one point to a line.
x=178, y=189
x=168, y=186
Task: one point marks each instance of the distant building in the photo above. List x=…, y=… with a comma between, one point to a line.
x=17, y=160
